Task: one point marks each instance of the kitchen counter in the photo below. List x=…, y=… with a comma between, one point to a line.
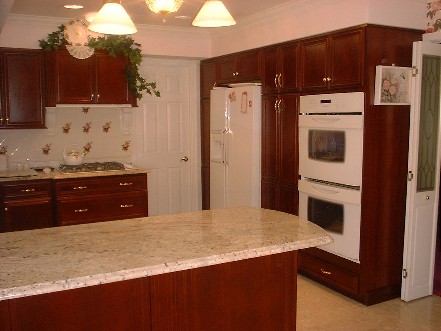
x=63, y=258
x=56, y=174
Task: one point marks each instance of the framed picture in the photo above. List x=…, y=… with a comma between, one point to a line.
x=392, y=85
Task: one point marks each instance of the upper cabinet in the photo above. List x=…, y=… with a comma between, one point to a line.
x=240, y=67
x=99, y=79
x=21, y=88
x=333, y=61
x=279, y=68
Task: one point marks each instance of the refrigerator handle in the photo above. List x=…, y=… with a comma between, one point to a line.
x=227, y=146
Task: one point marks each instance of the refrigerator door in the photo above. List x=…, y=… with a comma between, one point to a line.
x=243, y=147
x=219, y=109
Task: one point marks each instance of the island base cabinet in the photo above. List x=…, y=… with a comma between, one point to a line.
x=256, y=294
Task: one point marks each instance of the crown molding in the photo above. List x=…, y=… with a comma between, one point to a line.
x=29, y=21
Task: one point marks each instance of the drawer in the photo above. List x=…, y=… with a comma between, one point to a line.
x=102, y=208
x=26, y=189
x=98, y=185
x=328, y=273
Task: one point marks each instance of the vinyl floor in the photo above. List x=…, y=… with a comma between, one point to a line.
x=319, y=308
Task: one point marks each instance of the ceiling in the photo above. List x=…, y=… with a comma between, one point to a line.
x=138, y=10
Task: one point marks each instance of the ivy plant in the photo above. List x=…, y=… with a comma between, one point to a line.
x=114, y=45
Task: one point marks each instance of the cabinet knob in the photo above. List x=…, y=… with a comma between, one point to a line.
x=328, y=79
x=279, y=80
x=1, y=121
x=324, y=79
x=6, y=208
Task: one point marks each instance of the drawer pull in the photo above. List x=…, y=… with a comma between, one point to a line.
x=125, y=184
x=126, y=206
x=81, y=210
x=28, y=190
x=80, y=187
x=325, y=272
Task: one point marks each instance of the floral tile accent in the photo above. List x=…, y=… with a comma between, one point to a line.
x=67, y=127
x=433, y=16
x=126, y=145
x=47, y=148
x=3, y=149
x=87, y=148
x=87, y=127
x=106, y=127
x=85, y=110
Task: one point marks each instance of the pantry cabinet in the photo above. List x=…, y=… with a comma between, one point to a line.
x=21, y=89
x=279, y=68
x=99, y=79
x=332, y=61
x=25, y=205
x=280, y=152
x=208, y=77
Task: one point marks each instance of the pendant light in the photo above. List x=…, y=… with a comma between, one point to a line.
x=112, y=18
x=213, y=14
x=163, y=7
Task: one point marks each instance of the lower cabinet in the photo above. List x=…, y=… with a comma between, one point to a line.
x=98, y=199
x=25, y=205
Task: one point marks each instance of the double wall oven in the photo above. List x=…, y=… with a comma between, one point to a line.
x=330, y=166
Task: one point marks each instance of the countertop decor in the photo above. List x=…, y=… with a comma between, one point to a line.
x=57, y=259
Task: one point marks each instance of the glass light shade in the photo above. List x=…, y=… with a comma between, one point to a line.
x=213, y=14
x=163, y=6
x=112, y=18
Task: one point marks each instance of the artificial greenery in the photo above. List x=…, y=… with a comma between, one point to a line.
x=113, y=44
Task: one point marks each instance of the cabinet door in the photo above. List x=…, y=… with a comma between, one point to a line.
x=74, y=79
x=313, y=54
x=269, y=194
x=22, y=71
x=29, y=214
x=346, y=55
x=227, y=68
x=208, y=77
x=288, y=128
x=205, y=132
x=248, y=66
x=269, y=137
x=270, y=69
x=288, y=199
x=110, y=78
x=288, y=60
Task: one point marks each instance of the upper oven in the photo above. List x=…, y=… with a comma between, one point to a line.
x=331, y=137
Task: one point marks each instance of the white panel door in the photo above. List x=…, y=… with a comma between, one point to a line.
x=423, y=166
x=164, y=133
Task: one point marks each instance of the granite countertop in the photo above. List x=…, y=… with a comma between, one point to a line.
x=56, y=259
x=57, y=174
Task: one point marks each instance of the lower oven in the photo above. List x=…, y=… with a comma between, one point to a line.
x=337, y=209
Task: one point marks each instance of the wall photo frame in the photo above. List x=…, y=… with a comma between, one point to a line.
x=392, y=85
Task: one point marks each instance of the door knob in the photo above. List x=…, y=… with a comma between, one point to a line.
x=185, y=159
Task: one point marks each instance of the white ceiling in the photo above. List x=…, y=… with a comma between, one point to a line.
x=138, y=10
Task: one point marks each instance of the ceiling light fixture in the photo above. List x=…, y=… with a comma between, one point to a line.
x=73, y=6
x=163, y=7
x=213, y=14
x=112, y=18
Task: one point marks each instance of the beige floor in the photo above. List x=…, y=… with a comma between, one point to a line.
x=319, y=308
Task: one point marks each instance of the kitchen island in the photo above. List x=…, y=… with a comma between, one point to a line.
x=225, y=269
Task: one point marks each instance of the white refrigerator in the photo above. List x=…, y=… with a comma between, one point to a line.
x=235, y=146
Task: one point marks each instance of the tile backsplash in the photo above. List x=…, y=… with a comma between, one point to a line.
x=103, y=133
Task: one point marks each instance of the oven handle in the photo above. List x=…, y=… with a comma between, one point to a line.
x=325, y=191
x=325, y=119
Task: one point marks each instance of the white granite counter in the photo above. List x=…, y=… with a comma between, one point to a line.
x=56, y=259
x=56, y=174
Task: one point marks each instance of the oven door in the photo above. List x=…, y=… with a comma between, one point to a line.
x=337, y=210
x=331, y=148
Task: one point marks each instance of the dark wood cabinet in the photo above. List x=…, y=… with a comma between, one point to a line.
x=25, y=205
x=332, y=61
x=205, y=152
x=240, y=67
x=279, y=68
x=21, y=88
x=99, y=79
x=280, y=152
x=207, y=77
x=97, y=199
